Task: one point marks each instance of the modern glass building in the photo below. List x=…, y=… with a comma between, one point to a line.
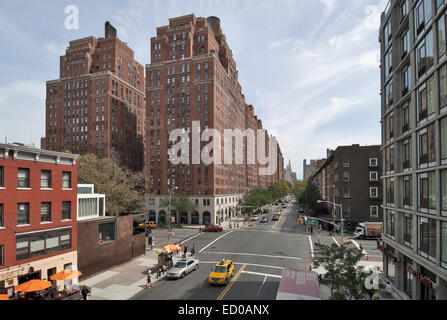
x=414, y=144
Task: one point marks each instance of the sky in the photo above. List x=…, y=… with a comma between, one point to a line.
x=310, y=68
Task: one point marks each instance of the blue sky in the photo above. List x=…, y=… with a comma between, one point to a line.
x=309, y=67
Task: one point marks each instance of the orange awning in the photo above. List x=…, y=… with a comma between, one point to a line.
x=33, y=285
x=4, y=297
x=66, y=274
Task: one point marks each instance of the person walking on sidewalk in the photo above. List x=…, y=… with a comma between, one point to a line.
x=149, y=279
x=389, y=289
x=193, y=250
x=84, y=293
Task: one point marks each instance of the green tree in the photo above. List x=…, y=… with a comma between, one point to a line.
x=309, y=195
x=180, y=203
x=343, y=277
x=124, y=190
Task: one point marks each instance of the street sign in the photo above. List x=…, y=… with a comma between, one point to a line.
x=312, y=222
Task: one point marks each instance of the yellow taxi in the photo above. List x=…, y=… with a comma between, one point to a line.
x=222, y=272
x=278, y=213
x=149, y=224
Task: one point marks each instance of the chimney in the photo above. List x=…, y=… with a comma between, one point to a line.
x=110, y=31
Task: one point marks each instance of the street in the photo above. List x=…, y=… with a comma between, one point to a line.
x=259, y=252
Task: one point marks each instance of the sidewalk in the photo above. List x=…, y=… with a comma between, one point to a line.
x=124, y=281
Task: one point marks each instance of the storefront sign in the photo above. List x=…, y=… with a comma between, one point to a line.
x=419, y=276
x=387, y=253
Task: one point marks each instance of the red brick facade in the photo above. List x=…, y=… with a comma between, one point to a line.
x=97, y=105
x=193, y=77
x=13, y=157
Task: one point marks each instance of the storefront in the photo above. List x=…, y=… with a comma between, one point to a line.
x=391, y=261
x=408, y=277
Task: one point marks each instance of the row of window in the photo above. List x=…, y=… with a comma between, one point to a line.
x=24, y=181
x=46, y=213
x=427, y=235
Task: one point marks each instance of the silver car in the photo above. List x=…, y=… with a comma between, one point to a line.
x=182, y=268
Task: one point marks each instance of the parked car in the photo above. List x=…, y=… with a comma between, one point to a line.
x=275, y=217
x=254, y=218
x=264, y=220
x=182, y=268
x=212, y=228
x=223, y=271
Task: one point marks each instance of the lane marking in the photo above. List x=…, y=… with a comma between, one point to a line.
x=191, y=238
x=226, y=234
x=335, y=240
x=255, y=254
x=231, y=283
x=311, y=247
x=263, y=274
x=248, y=264
x=259, y=291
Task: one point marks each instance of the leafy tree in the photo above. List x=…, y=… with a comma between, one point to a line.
x=307, y=194
x=343, y=277
x=180, y=203
x=124, y=190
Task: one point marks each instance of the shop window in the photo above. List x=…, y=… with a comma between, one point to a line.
x=427, y=238
x=39, y=244
x=107, y=232
x=391, y=274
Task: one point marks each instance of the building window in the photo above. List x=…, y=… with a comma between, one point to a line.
x=443, y=125
x=373, y=162
x=444, y=244
x=45, y=179
x=2, y=179
x=374, y=211
x=441, y=36
x=66, y=180
x=422, y=15
x=427, y=238
x=427, y=192
x=66, y=210
x=406, y=154
x=2, y=261
x=2, y=223
x=346, y=164
x=408, y=230
x=22, y=214
x=346, y=193
x=106, y=232
x=387, y=33
x=390, y=224
x=427, y=146
x=39, y=244
x=424, y=55
x=346, y=177
x=403, y=10
x=373, y=176
x=374, y=192
x=406, y=80
x=443, y=86
x=407, y=192
x=389, y=153
x=390, y=192
x=23, y=178
x=45, y=212
x=388, y=63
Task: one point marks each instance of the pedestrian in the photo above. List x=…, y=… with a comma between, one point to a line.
x=389, y=289
x=378, y=243
x=185, y=249
x=158, y=271
x=84, y=292
x=193, y=250
x=149, y=279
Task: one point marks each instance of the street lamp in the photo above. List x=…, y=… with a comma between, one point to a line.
x=170, y=195
x=341, y=215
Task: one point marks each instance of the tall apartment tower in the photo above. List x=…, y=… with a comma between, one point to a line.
x=193, y=77
x=98, y=104
x=414, y=143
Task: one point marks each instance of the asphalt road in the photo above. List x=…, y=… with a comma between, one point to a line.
x=259, y=252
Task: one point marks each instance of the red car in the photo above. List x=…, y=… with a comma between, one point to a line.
x=212, y=229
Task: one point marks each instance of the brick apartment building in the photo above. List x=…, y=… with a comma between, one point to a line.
x=193, y=77
x=38, y=233
x=350, y=176
x=98, y=103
